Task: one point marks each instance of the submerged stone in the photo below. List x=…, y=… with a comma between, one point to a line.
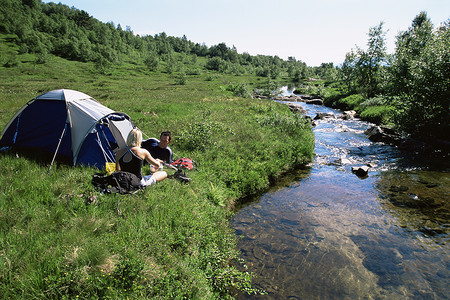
x=361, y=171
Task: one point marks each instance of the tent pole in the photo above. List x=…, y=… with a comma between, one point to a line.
x=57, y=148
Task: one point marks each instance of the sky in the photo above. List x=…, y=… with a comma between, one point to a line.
x=313, y=31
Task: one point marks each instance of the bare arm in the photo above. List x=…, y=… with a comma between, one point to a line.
x=149, y=158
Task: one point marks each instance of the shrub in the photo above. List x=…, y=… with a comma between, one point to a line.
x=193, y=71
x=181, y=78
x=374, y=101
x=209, y=77
x=350, y=102
x=42, y=57
x=11, y=62
x=332, y=96
x=269, y=88
x=151, y=62
x=216, y=64
x=377, y=114
x=240, y=90
x=103, y=66
x=284, y=122
x=201, y=135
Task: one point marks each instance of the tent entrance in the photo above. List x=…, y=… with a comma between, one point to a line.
x=107, y=136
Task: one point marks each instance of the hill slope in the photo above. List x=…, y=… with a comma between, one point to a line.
x=60, y=238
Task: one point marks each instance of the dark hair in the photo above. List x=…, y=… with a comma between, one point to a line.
x=167, y=133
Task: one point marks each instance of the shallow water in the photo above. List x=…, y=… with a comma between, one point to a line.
x=324, y=233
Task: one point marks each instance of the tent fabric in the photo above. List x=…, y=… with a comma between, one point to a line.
x=85, y=114
x=64, y=94
x=90, y=132
x=119, y=129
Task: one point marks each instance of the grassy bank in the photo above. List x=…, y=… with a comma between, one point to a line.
x=61, y=239
x=378, y=110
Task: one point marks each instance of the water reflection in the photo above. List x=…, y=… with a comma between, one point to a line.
x=329, y=234
x=418, y=201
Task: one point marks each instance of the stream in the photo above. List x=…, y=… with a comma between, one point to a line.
x=325, y=233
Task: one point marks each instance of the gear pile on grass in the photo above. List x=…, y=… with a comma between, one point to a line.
x=180, y=166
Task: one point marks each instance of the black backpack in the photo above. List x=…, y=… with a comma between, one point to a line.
x=118, y=182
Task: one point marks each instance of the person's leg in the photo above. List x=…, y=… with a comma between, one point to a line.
x=152, y=179
x=148, y=180
x=160, y=175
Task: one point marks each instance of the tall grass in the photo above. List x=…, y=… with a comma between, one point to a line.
x=60, y=238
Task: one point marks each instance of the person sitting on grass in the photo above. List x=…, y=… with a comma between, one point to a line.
x=159, y=148
x=131, y=159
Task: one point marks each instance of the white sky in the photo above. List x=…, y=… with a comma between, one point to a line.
x=313, y=31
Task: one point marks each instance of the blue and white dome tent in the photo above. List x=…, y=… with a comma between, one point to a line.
x=69, y=125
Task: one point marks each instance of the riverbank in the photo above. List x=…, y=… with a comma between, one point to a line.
x=321, y=228
x=351, y=107
x=61, y=238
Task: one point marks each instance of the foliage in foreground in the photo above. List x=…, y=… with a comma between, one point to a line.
x=61, y=239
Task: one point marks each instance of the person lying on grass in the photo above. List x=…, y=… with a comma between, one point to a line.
x=131, y=159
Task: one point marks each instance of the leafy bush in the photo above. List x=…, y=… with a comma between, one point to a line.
x=374, y=101
x=216, y=64
x=42, y=57
x=151, y=62
x=193, y=71
x=420, y=76
x=240, y=90
x=268, y=88
x=11, y=62
x=202, y=135
x=331, y=96
x=379, y=114
x=350, y=102
x=285, y=123
x=181, y=78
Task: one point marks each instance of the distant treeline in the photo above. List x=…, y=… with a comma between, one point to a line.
x=71, y=33
x=409, y=88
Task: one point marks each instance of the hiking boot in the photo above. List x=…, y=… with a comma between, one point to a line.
x=180, y=176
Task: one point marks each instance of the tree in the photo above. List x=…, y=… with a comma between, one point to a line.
x=162, y=44
x=326, y=71
x=220, y=50
x=32, y=3
x=217, y=64
x=409, y=48
x=83, y=19
x=369, y=63
x=151, y=61
x=348, y=71
x=420, y=76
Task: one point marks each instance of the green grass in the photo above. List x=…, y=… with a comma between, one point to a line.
x=60, y=238
x=350, y=103
x=380, y=114
x=376, y=110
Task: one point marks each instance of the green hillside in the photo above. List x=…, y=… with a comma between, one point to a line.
x=61, y=239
